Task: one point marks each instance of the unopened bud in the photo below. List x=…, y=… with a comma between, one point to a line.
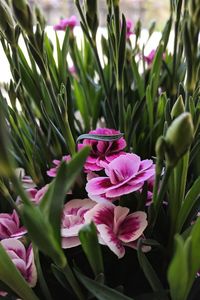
x=194, y=11
x=7, y=24
x=178, y=138
x=92, y=16
x=23, y=15
x=178, y=107
x=40, y=17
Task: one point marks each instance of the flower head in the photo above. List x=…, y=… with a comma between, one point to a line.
x=64, y=23
x=125, y=174
x=53, y=171
x=102, y=151
x=73, y=220
x=129, y=30
x=10, y=226
x=22, y=258
x=116, y=227
x=150, y=57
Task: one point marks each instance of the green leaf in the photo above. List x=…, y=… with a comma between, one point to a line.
x=100, y=137
x=189, y=202
x=138, y=79
x=82, y=104
x=179, y=265
x=148, y=270
x=10, y=275
x=91, y=247
x=52, y=203
x=100, y=291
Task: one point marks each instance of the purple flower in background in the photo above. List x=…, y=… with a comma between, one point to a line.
x=129, y=30
x=125, y=174
x=73, y=220
x=22, y=258
x=64, y=23
x=10, y=226
x=102, y=151
x=116, y=227
x=150, y=57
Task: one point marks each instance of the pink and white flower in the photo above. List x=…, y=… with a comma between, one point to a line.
x=125, y=174
x=116, y=227
x=10, y=226
x=64, y=23
x=22, y=258
x=53, y=171
x=102, y=151
x=73, y=220
x=150, y=57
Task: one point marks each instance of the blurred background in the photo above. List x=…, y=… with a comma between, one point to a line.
x=146, y=10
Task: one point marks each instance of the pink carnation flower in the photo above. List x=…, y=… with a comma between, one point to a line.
x=22, y=258
x=129, y=31
x=73, y=220
x=125, y=174
x=150, y=57
x=116, y=227
x=10, y=226
x=53, y=171
x=64, y=23
x=102, y=151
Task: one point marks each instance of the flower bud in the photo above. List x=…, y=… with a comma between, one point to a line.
x=7, y=25
x=92, y=15
x=178, y=138
x=40, y=17
x=23, y=15
x=194, y=11
x=178, y=107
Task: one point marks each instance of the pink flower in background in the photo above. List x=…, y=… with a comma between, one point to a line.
x=73, y=220
x=102, y=151
x=10, y=226
x=125, y=174
x=22, y=258
x=72, y=70
x=64, y=23
x=150, y=57
x=36, y=195
x=53, y=171
x=129, y=28
x=116, y=227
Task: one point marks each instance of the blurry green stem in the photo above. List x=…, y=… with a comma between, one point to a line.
x=42, y=281
x=176, y=33
x=73, y=282
x=158, y=194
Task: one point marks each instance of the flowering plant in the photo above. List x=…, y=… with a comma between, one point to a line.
x=99, y=161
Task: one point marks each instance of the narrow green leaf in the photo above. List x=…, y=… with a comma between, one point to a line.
x=91, y=247
x=148, y=270
x=52, y=203
x=100, y=137
x=178, y=265
x=189, y=202
x=100, y=291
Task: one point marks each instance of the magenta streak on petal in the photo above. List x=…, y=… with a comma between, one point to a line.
x=105, y=216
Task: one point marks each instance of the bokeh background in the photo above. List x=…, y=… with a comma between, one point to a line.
x=146, y=10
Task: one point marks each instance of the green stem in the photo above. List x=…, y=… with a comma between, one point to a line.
x=158, y=196
x=42, y=281
x=73, y=282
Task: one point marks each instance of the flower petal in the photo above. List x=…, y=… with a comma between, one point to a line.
x=133, y=227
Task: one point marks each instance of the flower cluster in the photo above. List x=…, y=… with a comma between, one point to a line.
x=111, y=174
